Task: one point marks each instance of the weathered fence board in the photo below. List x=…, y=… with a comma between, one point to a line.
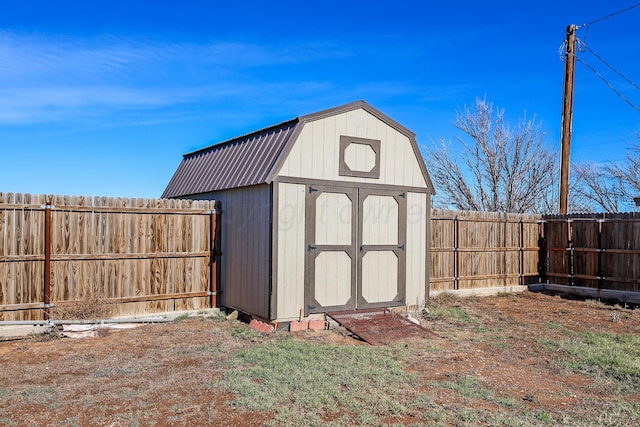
x=471, y=250
x=146, y=255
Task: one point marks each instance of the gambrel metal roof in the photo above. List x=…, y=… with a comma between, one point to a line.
x=255, y=158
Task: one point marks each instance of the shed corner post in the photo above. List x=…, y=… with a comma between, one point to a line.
x=215, y=235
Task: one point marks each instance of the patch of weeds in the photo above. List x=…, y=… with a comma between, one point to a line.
x=615, y=357
x=594, y=303
x=494, y=341
x=73, y=421
x=204, y=347
x=43, y=396
x=483, y=329
x=467, y=386
x=548, y=345
x=243, y=331
x=6, y=421
x=503, y=294
x=93, y=304
x=454, y=315
x=508, y=402
x=108, y=372
x=429, y=411
x=621, y=410
x=499, y=342
x=97, y=420
x=444, y=298
x=129, y=393
x=553, y=325
x=3, y=393
x=542, y=416
x=311, y=380
x=515, y=420
x=173, y=419
x=128, y=419
x=467, y=415
x=180, y=318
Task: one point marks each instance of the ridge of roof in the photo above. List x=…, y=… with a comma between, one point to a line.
x=257, y=157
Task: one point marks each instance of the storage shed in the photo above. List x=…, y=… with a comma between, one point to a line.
x=325, y=212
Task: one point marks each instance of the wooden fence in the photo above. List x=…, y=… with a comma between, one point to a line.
x=594, y=251
x=143, y=255
x=471, y=250
x=157, y=255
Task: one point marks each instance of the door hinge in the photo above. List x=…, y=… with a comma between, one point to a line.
x=311, y=248
x=311, y=189
x=401, y=247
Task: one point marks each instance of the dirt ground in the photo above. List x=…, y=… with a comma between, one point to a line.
x=157, y=374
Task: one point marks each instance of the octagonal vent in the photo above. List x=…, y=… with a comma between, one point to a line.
x=359, y=157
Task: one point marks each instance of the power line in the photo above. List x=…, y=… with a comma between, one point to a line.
x=607, y=83
x=610, y=15
x=583, y=45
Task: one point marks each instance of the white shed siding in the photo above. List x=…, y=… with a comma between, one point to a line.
x=245, y=248
x=417, y=218
x=315, y=154
x=290, y=251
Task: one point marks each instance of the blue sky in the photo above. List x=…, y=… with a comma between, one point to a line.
x=104, y=97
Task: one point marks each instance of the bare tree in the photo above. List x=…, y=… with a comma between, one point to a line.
x=593, y=189
x=606, y=188
x=627, y=175
x=500, y=168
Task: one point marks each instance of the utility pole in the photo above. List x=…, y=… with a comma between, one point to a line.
x=567, y=109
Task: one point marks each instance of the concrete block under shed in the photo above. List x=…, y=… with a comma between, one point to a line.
x=317, y=324
x=259, y=326
x=296, y=326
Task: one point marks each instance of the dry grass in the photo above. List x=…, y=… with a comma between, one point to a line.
x=93, y=305
x=517, y=360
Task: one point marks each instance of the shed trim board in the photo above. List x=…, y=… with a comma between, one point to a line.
x=341, y=196
x=348, y=184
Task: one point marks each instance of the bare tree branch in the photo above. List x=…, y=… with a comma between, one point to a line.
x=593, y=189
x=499, y=168
x=610, y=187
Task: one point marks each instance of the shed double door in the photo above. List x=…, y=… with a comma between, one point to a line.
x=355, y=257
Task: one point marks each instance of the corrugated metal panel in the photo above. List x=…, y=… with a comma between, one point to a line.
x=240, y=162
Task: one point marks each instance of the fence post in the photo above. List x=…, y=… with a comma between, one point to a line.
x=570, y=248
x=600, y=251
x=521, y=250
x=456, y=254
x=542, y=253
x=47, y=260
